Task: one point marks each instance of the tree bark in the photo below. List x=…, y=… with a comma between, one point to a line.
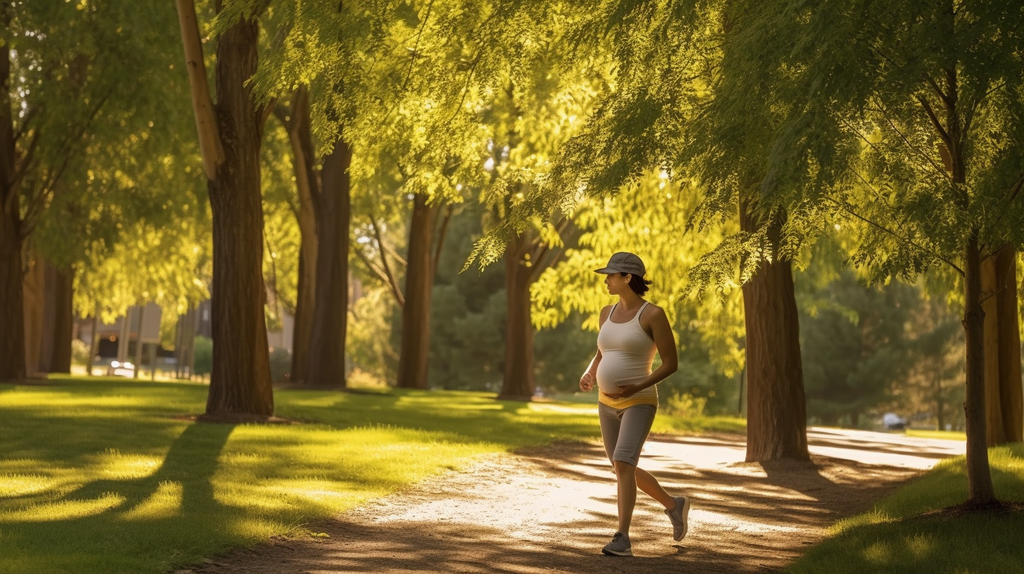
x=12, y=320
x=297, y=123
x=210, y=144
x=1003, y=416
x=12, y=326
x=776, y=409
x=34, y=289
x=979, y=477
x=330, y=321
x=94, y=342
x=419, y=281
x=518, y=383
x=1011, y=390
x=55, y=349
x=240, y=382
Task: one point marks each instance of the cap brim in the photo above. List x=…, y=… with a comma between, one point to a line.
x=606, y=270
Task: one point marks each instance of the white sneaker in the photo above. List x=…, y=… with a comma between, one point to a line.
x=678, y=516
x=619, y=546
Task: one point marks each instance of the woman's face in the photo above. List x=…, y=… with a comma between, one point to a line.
x=617, y=283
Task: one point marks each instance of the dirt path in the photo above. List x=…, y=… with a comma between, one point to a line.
x=552, y=509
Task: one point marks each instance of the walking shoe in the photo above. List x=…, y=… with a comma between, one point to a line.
x=619, y=546
x=678, y=516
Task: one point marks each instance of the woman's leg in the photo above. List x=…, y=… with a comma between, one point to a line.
x=635, y=425
x=647, y=483
x=626, y=477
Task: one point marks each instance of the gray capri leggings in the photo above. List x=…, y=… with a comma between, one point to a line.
x=625, y=430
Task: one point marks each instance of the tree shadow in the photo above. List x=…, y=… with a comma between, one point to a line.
x=150, y=515
x=191, y=461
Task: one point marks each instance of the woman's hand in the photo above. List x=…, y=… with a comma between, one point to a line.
x=587, y=382
x=626, y=391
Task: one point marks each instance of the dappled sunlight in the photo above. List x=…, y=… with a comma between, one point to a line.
x=920, y=545
x=16, y=485
x=314, y=399
x=63, y=509
x=163, y=503
x=116, y=465
x=564, y=408
x=879, y=553
x=72, y=405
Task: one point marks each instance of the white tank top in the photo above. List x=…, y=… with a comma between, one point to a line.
x=627, y=353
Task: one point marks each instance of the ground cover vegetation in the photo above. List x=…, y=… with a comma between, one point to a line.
x=78, y=492
x=923, y=528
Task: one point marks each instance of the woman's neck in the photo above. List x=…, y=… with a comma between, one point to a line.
x=630, y=300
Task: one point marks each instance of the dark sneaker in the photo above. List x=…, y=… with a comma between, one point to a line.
x=619, y=546
x=678, y=516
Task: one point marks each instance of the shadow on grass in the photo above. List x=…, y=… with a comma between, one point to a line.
x=126, y=523
x=976, y=542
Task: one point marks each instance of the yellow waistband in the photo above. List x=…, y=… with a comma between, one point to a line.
x=646, y=399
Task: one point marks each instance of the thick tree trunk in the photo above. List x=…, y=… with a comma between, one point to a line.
x=12, y=320
x=304, y=310
x=1011, y=393
x=240, y=382
x=518, y=380
x=776, y=409
x=307, y=182
x=55, y=349
x=334, y=213
x=979, y=477
x=12, y=325
x=419, y=280
x=33, y=289
x=1003, y=393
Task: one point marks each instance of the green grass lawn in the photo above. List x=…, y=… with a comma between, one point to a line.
x=898, y=536
x=945, y=435
x=108, y=475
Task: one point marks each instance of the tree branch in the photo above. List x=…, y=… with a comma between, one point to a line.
x=938, y=91
x=935, y=122
x=441, y=233
x=210, y=145
x=391, y=280
x=914, y=148
x=845, y=207
x=382, y=276
x=41, y=199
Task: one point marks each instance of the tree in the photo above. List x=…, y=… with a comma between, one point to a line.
x=361, y=79
x=229, y=136
x=902, y=120
x=295, y=118
x=71, y=117
x=1004, y=396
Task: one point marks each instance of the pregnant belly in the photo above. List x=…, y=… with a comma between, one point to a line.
x=620, y=371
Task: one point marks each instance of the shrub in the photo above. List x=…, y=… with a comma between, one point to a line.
x=203, y=355
x=685, y=405
x=280, y=365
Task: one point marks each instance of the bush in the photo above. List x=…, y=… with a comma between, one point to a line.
x=81, y=353
x=280, y=365
x=685, y=405
x=203, y=355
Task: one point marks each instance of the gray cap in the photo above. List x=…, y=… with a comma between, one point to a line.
x=623, y=262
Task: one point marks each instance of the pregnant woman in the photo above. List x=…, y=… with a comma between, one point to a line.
x=631, y=331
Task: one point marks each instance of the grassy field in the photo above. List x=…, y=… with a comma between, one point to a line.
x=903, y=534
x=112, y=476
x=945, y=435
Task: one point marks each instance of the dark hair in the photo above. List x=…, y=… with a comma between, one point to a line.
x=638, y=284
